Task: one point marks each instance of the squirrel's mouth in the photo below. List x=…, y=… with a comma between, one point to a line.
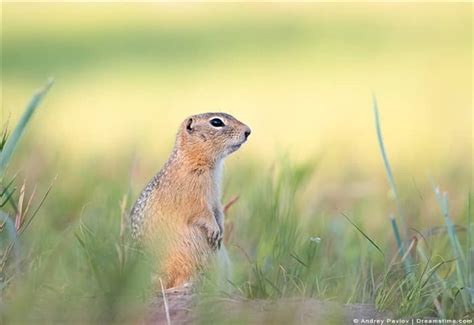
x=236, y=146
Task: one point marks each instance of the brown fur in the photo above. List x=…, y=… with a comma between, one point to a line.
x=181, y=209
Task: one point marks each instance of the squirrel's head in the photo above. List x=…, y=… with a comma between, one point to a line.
x=211, y=136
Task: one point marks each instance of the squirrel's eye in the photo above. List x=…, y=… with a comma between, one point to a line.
x=217, y=122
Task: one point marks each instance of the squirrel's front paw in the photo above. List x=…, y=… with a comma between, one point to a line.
x=214, y=235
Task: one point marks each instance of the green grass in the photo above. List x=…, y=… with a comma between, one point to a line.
x=76, y=262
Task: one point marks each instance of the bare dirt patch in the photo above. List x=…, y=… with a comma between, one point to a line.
x=184, y=307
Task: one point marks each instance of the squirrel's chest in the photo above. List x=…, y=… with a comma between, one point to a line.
x=187, y=195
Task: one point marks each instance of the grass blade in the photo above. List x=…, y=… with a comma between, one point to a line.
x=442, y=199
x=386, y=162
x=11, y=232
x=407, y=261
x=13, y=139
x=470, y=250
x=393, y=221
x=364, y=234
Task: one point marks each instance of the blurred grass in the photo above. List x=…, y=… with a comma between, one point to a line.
x=301, y=76
x=282, y=246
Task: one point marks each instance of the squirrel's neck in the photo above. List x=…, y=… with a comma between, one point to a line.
x=196, y=176
x=195, y=155
x=197, y=162
x=197, y=167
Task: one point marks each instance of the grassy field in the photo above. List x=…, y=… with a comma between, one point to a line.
x=315, y=208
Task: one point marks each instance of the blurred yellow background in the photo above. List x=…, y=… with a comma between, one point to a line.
x=301, y=75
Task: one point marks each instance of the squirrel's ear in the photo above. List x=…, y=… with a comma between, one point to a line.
x=189, y=125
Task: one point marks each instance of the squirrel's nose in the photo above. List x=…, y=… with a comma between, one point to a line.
x=247, y=132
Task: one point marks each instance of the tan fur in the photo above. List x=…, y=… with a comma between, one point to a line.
x=179, y=214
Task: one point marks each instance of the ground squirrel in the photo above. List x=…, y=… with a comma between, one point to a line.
x=179, y=210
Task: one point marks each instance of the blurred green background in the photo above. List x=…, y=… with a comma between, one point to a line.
x=301, y=76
